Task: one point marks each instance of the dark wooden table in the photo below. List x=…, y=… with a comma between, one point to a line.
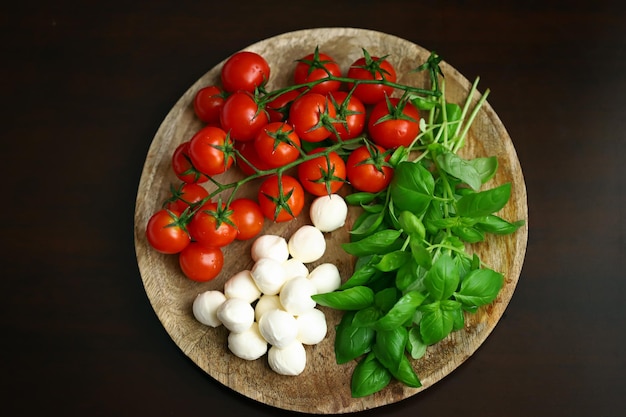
x=85, y=86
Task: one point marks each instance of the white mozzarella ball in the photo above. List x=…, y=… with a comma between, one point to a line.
x=328, y=212
x=249, y=344
x=312, y=327
x=295, y=268
x=265, y=304
x=236, y=314
x=241, y=285
x=269, y=275
x=278, y=327
x=295, y=296
x=205, y=307
x=289, y=360
x=270, y=246
x=307, y=244
x=325, y=277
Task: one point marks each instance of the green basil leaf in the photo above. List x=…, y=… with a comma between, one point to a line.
x=412, y=187
x=362, y=275
x=459, y=168
x=389, y=347
x=497, y=225
x=386, y=298
x=360, y=198
x=415, y=345
x=378, y=243
x=392, y=261
x=412, y=225
x=436, y=324
x=366, y=224
x=421, y=255
x=468, y=234
x=479, y=287
x=367, y=317
x=485, y=202
x=401, y=312
x=486, y=167
x=354, y=298
x=406, y=374
x=369, y=377
x=443, y=278
x=399, y=155
x=352, y=341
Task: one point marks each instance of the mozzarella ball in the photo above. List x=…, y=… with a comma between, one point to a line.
x=325, y=277
x=241, y=285
x=295, y=268
x=312, y=327
x=290, y=360
x=205, y=307
x=328, y=212
x=278, y=327
x=307, y=244
x=269, y=275
x=265, y=304
x=295, y=296
x=249, y=344
x=270, y=246
x=236, y=314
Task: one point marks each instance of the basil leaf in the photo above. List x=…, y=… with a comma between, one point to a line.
x=468, y=234
x=443, y=278
x=406, y=374
x=385, y=299
x=369, y=377
x=479, y=287
x=392, y=261
x=459, y=168
x=415, y=346
x=366, y=224
x=362, y=275
x=359, y=198
x=486, y=167
x=411, y=224
x=497, y=225
x=352, y=341
x=354, y=298
x=367, y=317
x=436, y=324
x=401, y=312
x=378, y=243
x=389, y=347
x=412, y=187
x=485, y=202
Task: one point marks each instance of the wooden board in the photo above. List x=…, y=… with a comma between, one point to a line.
x=324, y=386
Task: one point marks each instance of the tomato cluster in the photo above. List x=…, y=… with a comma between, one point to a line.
x=322, y=131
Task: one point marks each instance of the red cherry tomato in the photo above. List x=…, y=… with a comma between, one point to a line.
x=247, y=151
x=241, y=116
x=208, y=103
x=212, y=226
x=201, y=263
x=281, y=201
x=278, y=108
x=248, y=218
x=322, y=175
x=277, y=144
x=244, y=71
x=317, y=66
x=186, y=195
x=211, y=151
x=166, y=233
x=393, y=123
x=183, y=168
x=351, y=115
x=367, y=169
x=372, y=68
x=311, y=115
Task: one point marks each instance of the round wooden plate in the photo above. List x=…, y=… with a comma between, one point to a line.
x=324, y=386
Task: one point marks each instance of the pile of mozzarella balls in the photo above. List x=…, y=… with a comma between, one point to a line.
x=268, y=308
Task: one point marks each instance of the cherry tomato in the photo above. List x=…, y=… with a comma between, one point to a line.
x=277, y=144
x=183, y=168
x=244, y=71
x=166, y=232
x=247, y=151
x=281, y=201
x=393, y=123
x=372, y=68
x=350, y=115
x=367, y=168
x=242, y=117
x=312, y=116
x=317, y=66
x=212, y=226
x=208, y=103
x=211, y=150
x=186, y=195
x=201, y=263
x=278, y=108
x=322, y=175
x=248, y=218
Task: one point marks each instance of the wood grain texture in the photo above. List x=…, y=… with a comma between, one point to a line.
x=324, y=386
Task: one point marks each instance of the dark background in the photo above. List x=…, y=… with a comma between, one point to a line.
x=85, y=86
